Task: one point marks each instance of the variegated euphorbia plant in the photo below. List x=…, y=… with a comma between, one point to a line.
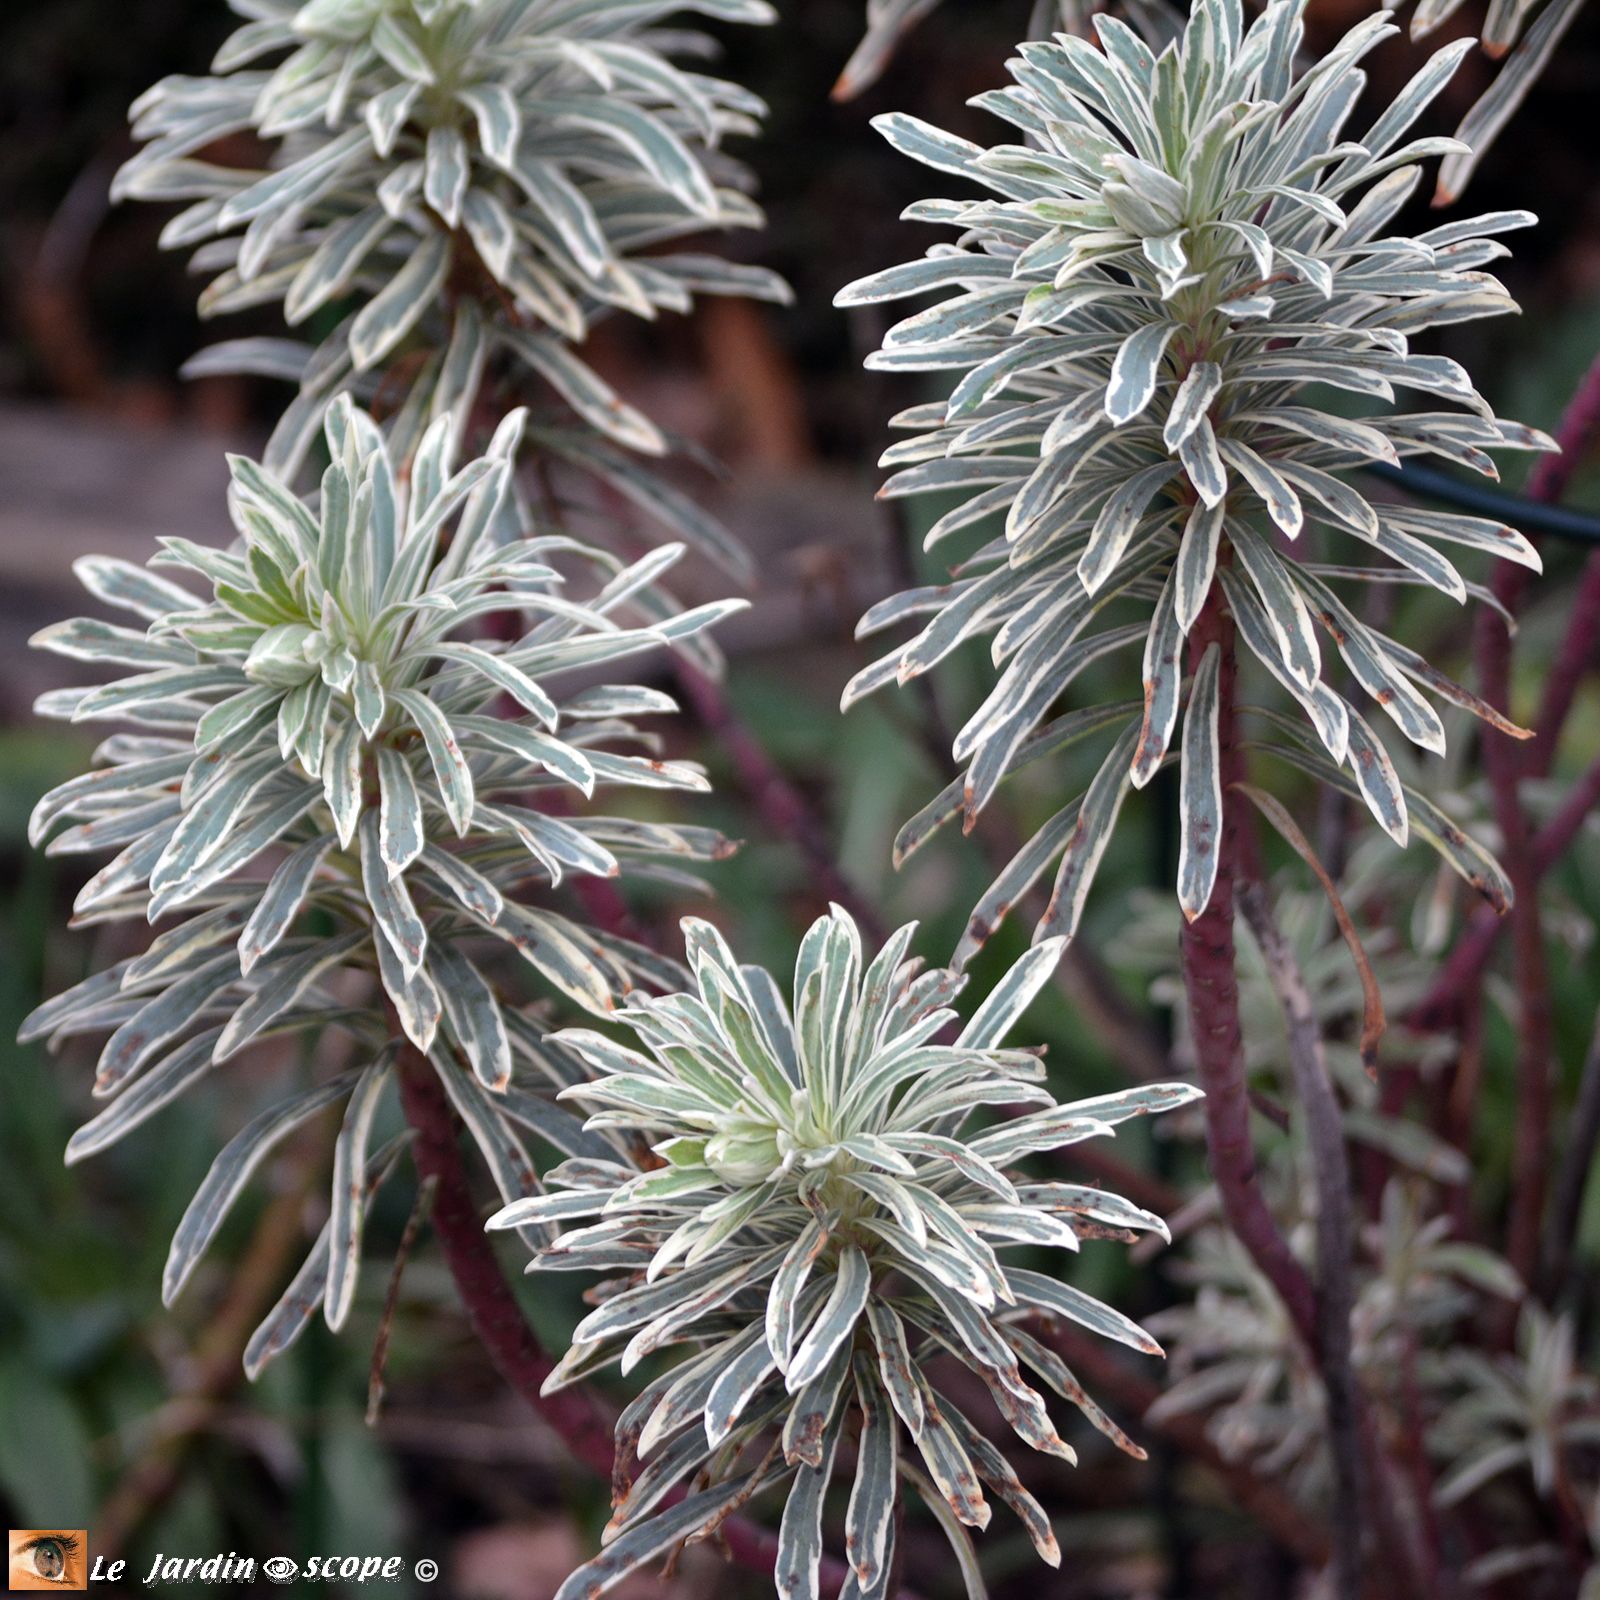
x=820, y=1226
x=338, y=799
x=1149, y=294
x=349, y=767
x=464, y=185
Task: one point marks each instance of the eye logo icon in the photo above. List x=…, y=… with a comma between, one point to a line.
x=47, y=1559
x=280, y=1569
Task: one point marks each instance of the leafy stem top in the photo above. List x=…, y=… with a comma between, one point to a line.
x=528, y=155
x=1143, y=316
x=822, y=1220
x=336, y=797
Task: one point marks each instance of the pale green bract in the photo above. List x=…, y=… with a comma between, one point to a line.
x=822, y=1222
x=1136, y=320
x=463, y=181
x=338, y=798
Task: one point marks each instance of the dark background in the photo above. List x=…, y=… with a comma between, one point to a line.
x=119, y=1415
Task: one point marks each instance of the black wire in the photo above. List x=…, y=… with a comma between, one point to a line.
x=1527, y=516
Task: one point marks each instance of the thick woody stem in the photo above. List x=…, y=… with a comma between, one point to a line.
x=1211, y=984
x=491, y=1307
x=497, y=1320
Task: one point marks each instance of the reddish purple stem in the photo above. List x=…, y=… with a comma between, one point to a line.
x=1211, y=983
x=1503, y=759
x=1441, y=1006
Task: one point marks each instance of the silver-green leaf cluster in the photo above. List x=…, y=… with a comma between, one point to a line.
x=337, y=791
x=820, y=1222
x=451, y=181
x=1139, y=324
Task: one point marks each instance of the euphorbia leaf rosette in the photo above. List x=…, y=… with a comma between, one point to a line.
x=338, y=800
x=1141, y=322
x=451, y=179
x=821, y=1224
